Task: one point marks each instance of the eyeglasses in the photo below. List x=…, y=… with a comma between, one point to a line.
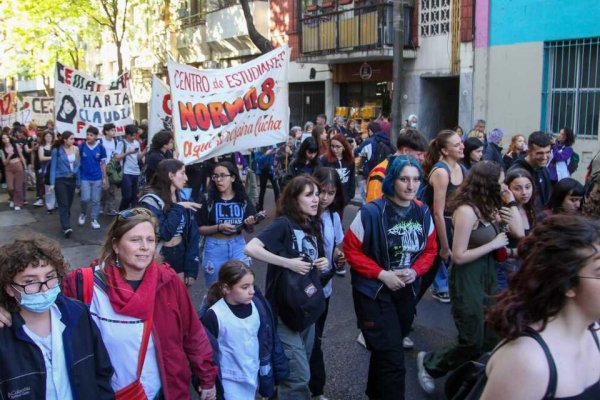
x=216, y=177
x=35, y=287
x=589, y=277
x=132, y=212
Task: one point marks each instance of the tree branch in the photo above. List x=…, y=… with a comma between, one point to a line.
x=263, y=44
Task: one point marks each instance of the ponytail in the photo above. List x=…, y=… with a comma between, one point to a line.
x=214, y=294
x=434, y=154
x=230, y=274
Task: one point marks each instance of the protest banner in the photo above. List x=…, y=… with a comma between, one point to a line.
x=217, y=112
x=41, y=108
x=8, y=109
x=80, y=101
x=159, y=117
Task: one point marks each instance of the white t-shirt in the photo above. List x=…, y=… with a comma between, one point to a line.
x=130, y=163
x=110, y=146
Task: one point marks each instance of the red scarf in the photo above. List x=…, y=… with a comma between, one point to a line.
x=126, y=301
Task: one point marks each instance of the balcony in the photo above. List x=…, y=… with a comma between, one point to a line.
x=350, y=33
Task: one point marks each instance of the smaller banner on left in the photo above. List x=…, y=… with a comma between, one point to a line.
x=80, y=101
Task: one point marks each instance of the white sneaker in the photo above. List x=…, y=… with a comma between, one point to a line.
x=17, y=208
x=81, y=219
x=407, y=343
x=11, y=204
x=95, y=224
x=361, y=339
x=425, y=380
x=39, y=203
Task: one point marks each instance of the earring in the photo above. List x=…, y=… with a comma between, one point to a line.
x=117, y=263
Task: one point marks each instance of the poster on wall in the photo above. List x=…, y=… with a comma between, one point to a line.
x=80, y=101
x=220, y=111
x=8, y=109
x=159, y=116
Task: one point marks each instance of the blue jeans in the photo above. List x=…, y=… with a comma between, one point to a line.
x=129, y=189
x=440, y=282
x=217, y=252
x=91, y=190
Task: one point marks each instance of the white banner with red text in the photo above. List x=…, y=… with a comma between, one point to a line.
x=220, y=111
x=159, y=115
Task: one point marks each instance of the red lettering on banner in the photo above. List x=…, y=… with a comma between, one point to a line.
x=68, y=73
x=216, y=114
x=191, y=149
x=166, y=104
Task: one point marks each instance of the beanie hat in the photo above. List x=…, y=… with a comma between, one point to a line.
x=496, y=135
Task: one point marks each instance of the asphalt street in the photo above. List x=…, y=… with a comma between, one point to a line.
x=346, y=360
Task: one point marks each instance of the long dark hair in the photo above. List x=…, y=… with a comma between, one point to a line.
x=329, y=177
x=529, y=207
x=471, y=144
x=565, y=187
x=239, y=193
x=480, y=190
x=161, y=181
x=288, y=204
x=62, y=139
x=434, y=153
x=551, y=258
x=308, y=144
x=229, y=275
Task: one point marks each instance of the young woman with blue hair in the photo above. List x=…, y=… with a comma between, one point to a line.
x=390, y=243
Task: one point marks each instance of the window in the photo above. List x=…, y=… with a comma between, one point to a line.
x=572, y=98
x=434, y=18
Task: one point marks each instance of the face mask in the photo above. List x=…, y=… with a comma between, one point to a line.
x=413, y=125
x=41, y=301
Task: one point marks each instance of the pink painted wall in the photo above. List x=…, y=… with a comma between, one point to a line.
x=482, y=23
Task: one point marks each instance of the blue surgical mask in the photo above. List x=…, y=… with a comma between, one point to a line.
x=41, y=301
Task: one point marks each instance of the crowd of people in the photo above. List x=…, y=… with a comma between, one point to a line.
x=508, y=238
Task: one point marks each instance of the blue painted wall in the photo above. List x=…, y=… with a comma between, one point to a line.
x=520, y=21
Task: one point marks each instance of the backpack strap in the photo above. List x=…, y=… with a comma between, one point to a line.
x=551, y=390
x=85, y=285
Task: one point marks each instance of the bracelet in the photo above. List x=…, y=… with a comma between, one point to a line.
x=218, y=228
x=512, y=204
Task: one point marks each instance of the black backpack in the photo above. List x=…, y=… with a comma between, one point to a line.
x=573, y=163
x=382, y=151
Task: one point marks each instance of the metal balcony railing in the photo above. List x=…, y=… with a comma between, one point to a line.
x=363, y=27
x=193, y=20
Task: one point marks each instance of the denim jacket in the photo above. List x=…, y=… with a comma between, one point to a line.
x=60, y=167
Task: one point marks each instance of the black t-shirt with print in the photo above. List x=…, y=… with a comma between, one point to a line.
x=219, y=211
x=406, y=236
x=286, y=239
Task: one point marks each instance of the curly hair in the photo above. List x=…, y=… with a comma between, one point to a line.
x=395, y=167
x=552, y=256
x=591, y=207
x=288, y=205
x=27, y=252
x=161, y=180
x=480, y=190
x=435, y=149
x=347, y=155
x=229, y=275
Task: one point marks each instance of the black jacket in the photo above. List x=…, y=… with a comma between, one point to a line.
x=22, y=367
x=541, y=178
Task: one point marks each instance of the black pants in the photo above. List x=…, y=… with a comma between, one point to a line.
x=426, y=280
x=382, y=324
x=317, y=365
x=64, y=188
x=264, y=178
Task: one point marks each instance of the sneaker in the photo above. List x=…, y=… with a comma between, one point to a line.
x=112, y=213
x=67, y=232
x=39, y=203
x=442, y=297
x=101, y=212
x=361, y=339
x=340, y=271
x=17, y=208
x=95, y=224
x=320, y=397
x=49, y=212
x=81, y=219
x=425, y=380
x=11, y=204
x=407, y=343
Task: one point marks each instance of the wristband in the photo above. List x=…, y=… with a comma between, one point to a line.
x=218, y=228
x=512, y=204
